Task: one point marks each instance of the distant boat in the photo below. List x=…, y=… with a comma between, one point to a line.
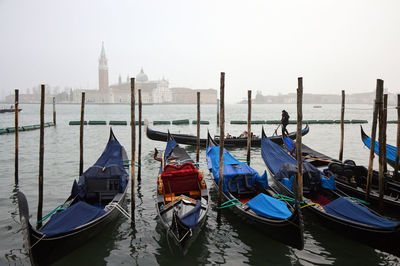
x=9, y=110
x=317, y=106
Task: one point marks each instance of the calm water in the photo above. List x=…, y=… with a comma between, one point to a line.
x=231, y=242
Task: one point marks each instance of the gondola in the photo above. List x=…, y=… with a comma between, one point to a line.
x=248, y=195
x=331, y=207
x=182, y=196
x=228, y=142
x=390, y=150
x=95, y=201
x=9, y=110
x=351, y=178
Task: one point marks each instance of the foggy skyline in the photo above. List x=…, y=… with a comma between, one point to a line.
x=260, y=45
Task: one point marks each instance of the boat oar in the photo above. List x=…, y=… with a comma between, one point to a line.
x=276, y=130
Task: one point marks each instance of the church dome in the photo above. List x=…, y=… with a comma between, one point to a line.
x=141, y=77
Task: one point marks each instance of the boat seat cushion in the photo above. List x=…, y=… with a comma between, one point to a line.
x=180, y=179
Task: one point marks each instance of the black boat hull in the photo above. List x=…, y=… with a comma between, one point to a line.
x=289, y=231
x=45, y=250
x=385, y=240
x=228, y=142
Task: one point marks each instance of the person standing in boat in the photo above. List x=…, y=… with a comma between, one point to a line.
x=285, y=122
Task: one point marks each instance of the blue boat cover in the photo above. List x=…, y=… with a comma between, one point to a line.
x=346, y=209
x=269, y=207
x=109, y=165
x=283, y=165
x=232, y=169
x=171, y=144
x=71, y=218
x=191, y=218
x=390, y=150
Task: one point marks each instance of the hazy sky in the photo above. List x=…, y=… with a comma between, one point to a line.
x=261, y=45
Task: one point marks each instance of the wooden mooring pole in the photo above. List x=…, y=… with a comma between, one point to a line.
x=298, y=138
x=249, y=135
x=381, y=152
x=218, y=107
x=54, y=111
x=384, y=125
x=198, y=130
x=342, y=128
x=16, y=135
x=81, y=134
x=139, y=176
x=41, y=156
x=221, y=138
x=378, y=100
x=396, y=166
x=133, y=147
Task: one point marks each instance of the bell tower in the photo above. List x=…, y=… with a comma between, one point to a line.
x=103, y=70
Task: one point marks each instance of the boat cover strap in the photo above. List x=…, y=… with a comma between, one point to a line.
x=269, y=207
x=78, y=214
x=346, y=209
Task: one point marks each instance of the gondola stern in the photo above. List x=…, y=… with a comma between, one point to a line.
x=263, y=135
x=26, y=225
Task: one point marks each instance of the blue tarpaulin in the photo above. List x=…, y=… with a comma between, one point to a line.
x=191, y=218
x=283, y=165
x=71, y=218
x=390, y=150
x=348, y=210
x=269, y=207
x=232, y=169
x=109, y=165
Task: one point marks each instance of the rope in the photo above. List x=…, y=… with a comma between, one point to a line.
x=311, y=204
x=120, y=209
x=38, y=241
x=357, y=199
x=224, y=205
x=58, y=208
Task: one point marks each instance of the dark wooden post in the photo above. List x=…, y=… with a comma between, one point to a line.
x=139, y=177
x=81, y=134
x=218, y=106
x=396, y=166
x=54, y=111
x=41, y=156
x=342, y=128
x=221, y=138
x=16, y=134
x=384, y=125
x=378, y=100
x=298, y=138
x=248, y=125
x=133, y=147
x=381, y=152
x=198, y=130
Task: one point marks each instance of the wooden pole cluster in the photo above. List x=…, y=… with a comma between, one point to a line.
x=396, y=166
x=248, y=125
x=140, y=137
x=41, y=156
x=384, y=125
x=81, y=134
x=298, y=138
x=221, y=138
x=378, y=101
x=16, y=135
x=198, y=129
x=342, y=128
x=133, y=147
x=54, y=111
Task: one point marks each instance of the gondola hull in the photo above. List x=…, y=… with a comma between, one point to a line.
x=228, y=142
x=385, y=240
x=289, y=231
x=47, y=250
